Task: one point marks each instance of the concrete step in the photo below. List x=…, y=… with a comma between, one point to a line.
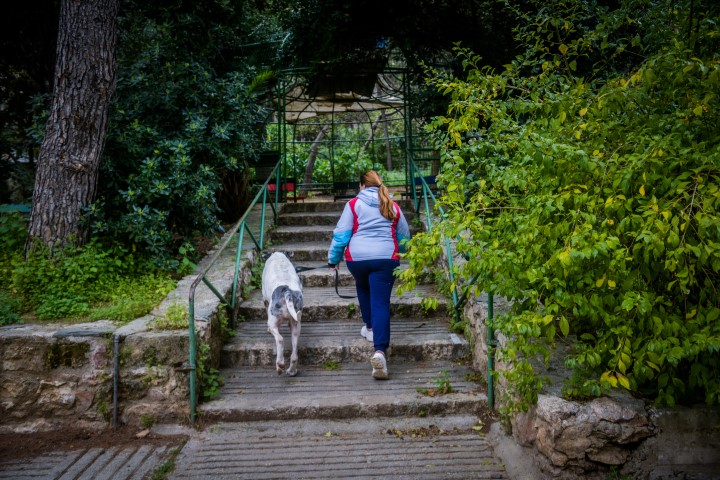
x=346, y=391
x=309, y=206
x=308, y=218
x=322, y=276
x=316, y=251
x=434, y=448
x=310, y=233
x=322, y=218
x=303, y=233
x=323, y=343
x=322, y=304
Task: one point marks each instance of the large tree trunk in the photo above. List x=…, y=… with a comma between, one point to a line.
x=310, y=167
x=68, y=164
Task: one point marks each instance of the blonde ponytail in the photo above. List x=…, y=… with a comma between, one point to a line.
x=372, y=179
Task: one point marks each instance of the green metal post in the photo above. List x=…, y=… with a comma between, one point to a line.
x=238, y=256
x=491, y=353
x=262, y=219
x=193, y=349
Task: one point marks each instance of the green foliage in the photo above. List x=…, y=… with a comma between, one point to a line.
x=443, y=386
x=187, y=117
x=161, y=473
x=209, y=378
x=175, y=318
x=347, y=150
x=13, y=228
x=442, y=383
x=147, y=421
x=10, y=308
x=583, y=182
x=332, y=365
x=89, y=282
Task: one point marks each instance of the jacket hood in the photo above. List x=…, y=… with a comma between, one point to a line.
x=370, y=196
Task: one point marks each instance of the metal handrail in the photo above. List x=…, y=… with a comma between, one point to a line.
x=458, y=301
x=240, y=228
x=427, y=196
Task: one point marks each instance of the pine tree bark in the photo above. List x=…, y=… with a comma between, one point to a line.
x=69, y=160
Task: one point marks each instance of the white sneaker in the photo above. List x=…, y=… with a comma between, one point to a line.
x=368, y=334
x=379, y=365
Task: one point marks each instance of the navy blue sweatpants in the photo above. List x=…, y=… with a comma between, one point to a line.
x=374, y=281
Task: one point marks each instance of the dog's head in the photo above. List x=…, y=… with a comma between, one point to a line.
x=266, y=255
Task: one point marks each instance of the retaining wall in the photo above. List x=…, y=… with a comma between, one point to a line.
x=614, y=434
x=53, y=376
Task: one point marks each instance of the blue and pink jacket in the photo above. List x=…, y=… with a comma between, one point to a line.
x=366, y=233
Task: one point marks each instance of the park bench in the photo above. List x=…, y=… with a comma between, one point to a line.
x=288, y=190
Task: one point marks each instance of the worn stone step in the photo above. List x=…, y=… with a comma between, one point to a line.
x=348, y=392
x=434, y=448
x=323, y=343
x=315, y=251
x=308, y=218
x=323, y=217
x=303, y=233
x=321, y=276
x=311, y=233
x=310, y=206
x=322, y=304
x=313, y=206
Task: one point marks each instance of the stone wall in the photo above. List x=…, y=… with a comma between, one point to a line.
x=60, y=375
x=613, y=433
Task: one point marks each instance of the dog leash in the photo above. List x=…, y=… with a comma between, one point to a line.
x=337, y=279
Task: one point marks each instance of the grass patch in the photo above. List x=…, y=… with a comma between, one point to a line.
x=332, y=365
x=176, y=317
x=161, y=473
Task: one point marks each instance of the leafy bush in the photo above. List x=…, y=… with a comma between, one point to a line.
x=176, y=318
x=9, y=309
x=589, y=194
x=187, y=118
x=13, y=229
x=92, y=281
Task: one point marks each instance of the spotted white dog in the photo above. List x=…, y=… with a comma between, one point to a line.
x=283, y=296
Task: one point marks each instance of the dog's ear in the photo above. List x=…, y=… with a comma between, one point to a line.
x=265, y=256
x=289, y=254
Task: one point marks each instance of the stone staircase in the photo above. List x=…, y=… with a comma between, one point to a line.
x=334, y=400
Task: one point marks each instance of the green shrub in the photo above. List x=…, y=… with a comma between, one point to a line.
x=9, y=309
x=186, y=118
x=176, y=318
x=89, y=282
x=589, y=194
x=13, y=228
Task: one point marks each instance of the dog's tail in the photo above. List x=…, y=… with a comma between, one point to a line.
x=293, y=301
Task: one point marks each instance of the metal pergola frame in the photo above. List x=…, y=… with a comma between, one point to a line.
x=299, y=102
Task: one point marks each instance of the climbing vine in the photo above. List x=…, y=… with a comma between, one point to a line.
x=583, y=183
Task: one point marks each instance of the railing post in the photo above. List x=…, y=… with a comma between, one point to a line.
x=192, y=355
x=491, y=353
x=239, y=228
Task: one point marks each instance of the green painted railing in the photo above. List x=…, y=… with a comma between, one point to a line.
x=423, y=200
x=238, y=231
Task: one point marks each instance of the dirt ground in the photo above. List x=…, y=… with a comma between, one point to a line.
x=20, y=445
